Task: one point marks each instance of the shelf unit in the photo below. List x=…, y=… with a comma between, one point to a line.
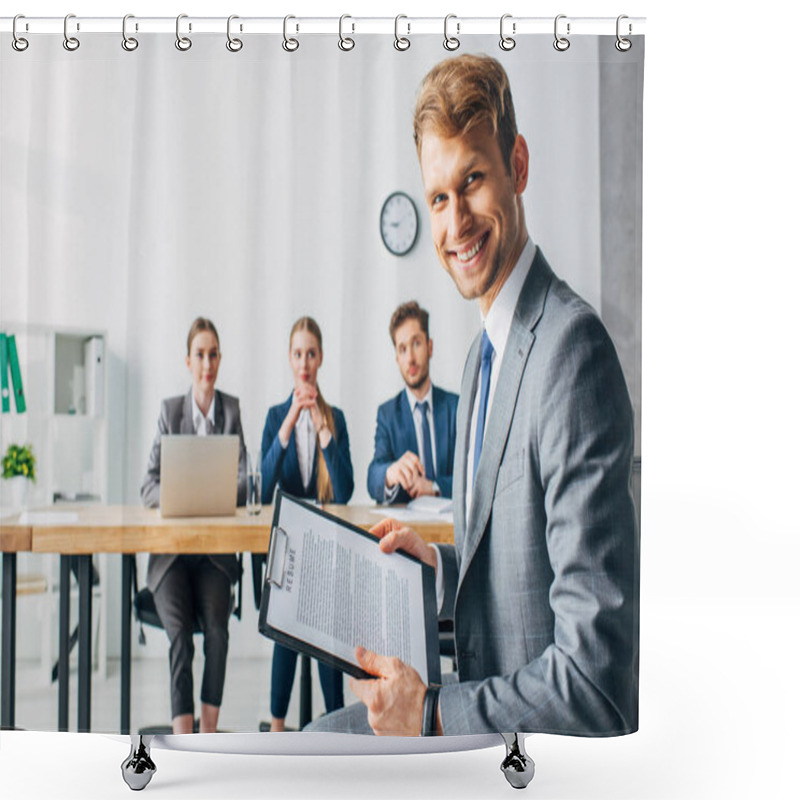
x=65, y=383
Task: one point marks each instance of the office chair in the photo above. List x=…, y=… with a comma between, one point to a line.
x=144, y=611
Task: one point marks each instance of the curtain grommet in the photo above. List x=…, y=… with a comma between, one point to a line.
x=183, y=43
x=346, y=43
x=233, y=44
x=129, y=43
x=289, y=44
x=71, y=43
x=507, y=42
x=561, y=43
x=451, y=43
x=19, y=43
x=622, y=44
x=401, y=43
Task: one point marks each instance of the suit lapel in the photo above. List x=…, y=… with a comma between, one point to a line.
x=219, y=414
x=495, y=436
x=439, y=428
x=187, y=423
x=509, y=376
x=291, y=464
x=469, y=385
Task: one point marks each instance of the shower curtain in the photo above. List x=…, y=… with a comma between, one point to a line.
x=141, y=188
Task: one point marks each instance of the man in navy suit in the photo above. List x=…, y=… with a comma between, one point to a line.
x=415, y=434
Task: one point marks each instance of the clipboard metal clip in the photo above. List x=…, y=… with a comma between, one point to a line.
x=276, y=563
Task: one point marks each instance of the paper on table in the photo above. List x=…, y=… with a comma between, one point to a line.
x=430, y=504
x=48, y=518
x=408, y=515
x=339, y=590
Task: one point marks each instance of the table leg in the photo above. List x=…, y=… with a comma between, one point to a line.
x=63, y=643
x=84, y=643
x=9, y=643
x=125, y=647
x=305, y=691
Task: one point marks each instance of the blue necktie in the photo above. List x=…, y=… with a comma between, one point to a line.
x=486, y=377
x=427, y=449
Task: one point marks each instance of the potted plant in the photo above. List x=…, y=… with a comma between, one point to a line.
x=19, y=467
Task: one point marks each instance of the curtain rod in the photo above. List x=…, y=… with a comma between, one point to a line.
x=347, y=25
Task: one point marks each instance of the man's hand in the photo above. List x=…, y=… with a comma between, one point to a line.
x=420, y=486
x=404, y=471
x=395, y=536
x=394, y=701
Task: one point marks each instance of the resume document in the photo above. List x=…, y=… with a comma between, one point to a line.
x=330, y=588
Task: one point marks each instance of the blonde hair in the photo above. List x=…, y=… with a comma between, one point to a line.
x=324, y=484
x=460, y=94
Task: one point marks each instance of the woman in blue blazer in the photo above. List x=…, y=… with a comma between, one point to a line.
x=307, y=453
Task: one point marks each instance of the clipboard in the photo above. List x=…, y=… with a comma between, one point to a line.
x=328, y=588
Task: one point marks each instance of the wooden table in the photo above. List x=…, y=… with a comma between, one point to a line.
x=14, y=538
x=131, y=529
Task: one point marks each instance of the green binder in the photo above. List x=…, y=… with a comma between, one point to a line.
x=6, y=399
x=16, y=377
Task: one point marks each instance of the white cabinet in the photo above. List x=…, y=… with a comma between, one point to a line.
x=65, y=383
x=64, y=378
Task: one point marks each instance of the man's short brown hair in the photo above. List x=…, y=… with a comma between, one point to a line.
x=460, y=94
x=406, y=311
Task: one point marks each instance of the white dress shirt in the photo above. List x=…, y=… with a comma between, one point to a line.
x=306, y=437
x=203, y=423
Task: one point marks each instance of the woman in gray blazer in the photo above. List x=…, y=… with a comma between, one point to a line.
x=189, y=587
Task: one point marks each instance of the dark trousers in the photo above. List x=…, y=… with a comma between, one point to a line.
x=194, y=589
x=284, y=663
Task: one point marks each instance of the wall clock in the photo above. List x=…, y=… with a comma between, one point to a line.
x=399, y=223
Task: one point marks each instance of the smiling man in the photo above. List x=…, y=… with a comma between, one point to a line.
x=543, y=579
x=416, y=431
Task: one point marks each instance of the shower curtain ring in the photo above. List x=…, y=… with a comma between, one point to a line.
x=622, y=44
x=290, y=44
x=19, y=43
x=346, y=42
x=401, y=42
x=234, y=45
x=129, y=43
x=561, y=43
x=70, y=42
x=451, y=42
x=183, y=43
x=507, y=42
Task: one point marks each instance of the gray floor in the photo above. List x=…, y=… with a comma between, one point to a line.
x=245, y=703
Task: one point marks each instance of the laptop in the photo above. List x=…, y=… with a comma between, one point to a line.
x=199, y=475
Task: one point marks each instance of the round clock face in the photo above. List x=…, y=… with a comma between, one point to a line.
x=399, y=223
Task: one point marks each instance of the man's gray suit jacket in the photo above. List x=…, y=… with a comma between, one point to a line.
x=543, y=581
x=176, y=417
